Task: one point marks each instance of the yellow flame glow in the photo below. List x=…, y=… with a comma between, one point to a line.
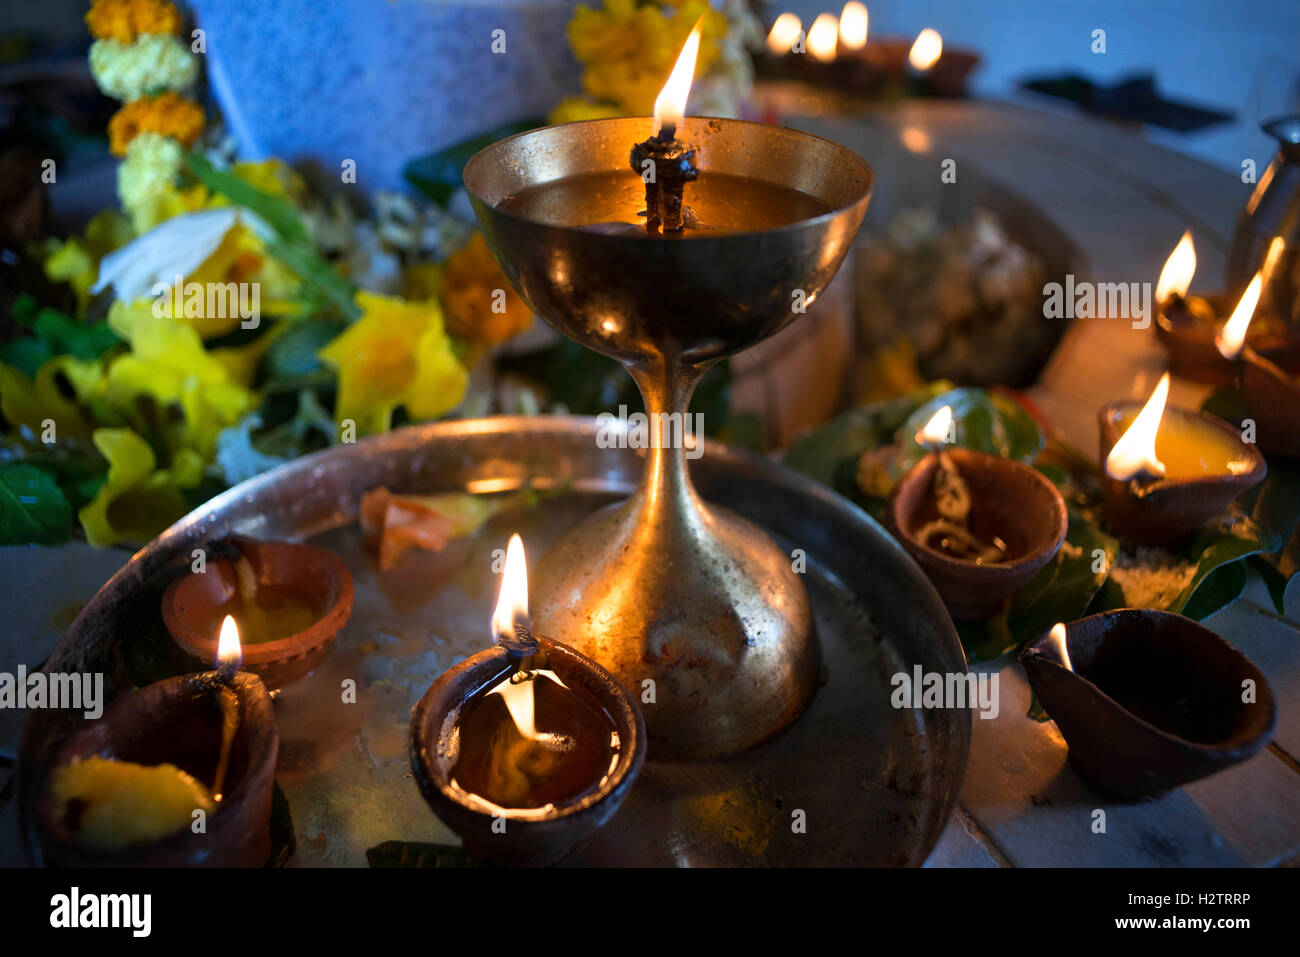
x=520, y=703
x=1058, y=638
x=780, y=39
x=512, y=600
x=1233, y=334
x=1274, y=254
x=229, y=652
x=1135, y=451
x=1180, y=267
x=926, y=50
x=821, y=37
x=853, y=26
x=935, y=431
x=670, y=104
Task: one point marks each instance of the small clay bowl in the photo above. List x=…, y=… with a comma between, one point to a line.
x=1008, y=499
x=1169, y=512
x=1189, y=343
x=1154, y=702
x=531, y=836
x=192, y=606
x=178, y=721
x=1274, y=400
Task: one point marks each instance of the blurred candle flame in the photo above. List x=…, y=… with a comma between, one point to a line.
x=230, y=655
x=786, y=29
x=821, y=37
x=1058, y=638
x=1233, y=334
x=1135, y=451
x=1180, y=267
x=853, y=26
x=926, y=50
x=935, y=431
x=670, y=104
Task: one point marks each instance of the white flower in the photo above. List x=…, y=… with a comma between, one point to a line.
x=174, y=248
x=152, y=64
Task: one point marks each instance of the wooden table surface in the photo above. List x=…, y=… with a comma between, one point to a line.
x=1124, y=202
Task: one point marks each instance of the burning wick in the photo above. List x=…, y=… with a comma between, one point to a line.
x=229, y=657
x=1058, y=637
x=664, y=164
x=952, y=499
x=1135, y=452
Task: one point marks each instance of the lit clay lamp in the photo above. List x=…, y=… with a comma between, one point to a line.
x=1148, y=701
x=290, y=599
x=125, y=790
x=1272, y=393
x=1166, y=472
x=526, y=748
x=1187, y=326
x=980, y=526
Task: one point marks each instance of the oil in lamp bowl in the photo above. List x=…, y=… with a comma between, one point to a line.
x=1168, y=512
x=1008, y=499
x=178, y=721
x=530, y=837
x=1154, y=700
x=1189, y=343
x=194, y=604
x=665, y=587
x=1274, y=398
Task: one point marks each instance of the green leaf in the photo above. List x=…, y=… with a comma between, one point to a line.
x=26, y=355
x=1278, y=571
x=1216, y=549
x=277, y=211
x=412, y=854
x=33, y=509
x=440, y=174
x=1221, y=587
x=293, y=355
x=983, y=421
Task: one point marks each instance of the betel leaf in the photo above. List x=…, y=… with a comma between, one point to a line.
x=438, y=175
x=983, y=421
x=1221, y=587
x=33, y=509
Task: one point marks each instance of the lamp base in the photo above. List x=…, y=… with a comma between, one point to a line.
x=696, y=611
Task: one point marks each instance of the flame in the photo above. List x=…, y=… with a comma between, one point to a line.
x=853, y=26
x=1179, y=269
x=926, y=50
x=670, y=104
x=821, y=37
x=1274, y=254
x=783, y=34
x=1136, y=449
x=1233, y=334
x=230, y=654
x=936, y=430
x=1058, y=636
x=512, y=600
x=915, y=139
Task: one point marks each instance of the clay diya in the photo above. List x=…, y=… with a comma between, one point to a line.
x=526, y=748
x=177, y=722
x=290, y=601
x=1188, y=326
x=1009, y=503
x=1166, y=472
x=1148, y=700
x=1273, y=396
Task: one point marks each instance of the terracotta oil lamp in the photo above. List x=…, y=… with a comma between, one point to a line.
x=1188, y=326
x=1166, y=472
x=526, y=748
x=1015, y=521
x=290, y=601
x=1148, y=700
x=213, y=732
x=1272, y=393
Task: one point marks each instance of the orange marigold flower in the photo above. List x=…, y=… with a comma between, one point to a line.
x=169, y=114
x=124, y=20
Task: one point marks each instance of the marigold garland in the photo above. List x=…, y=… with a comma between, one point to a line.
x=169, y=114
x=124, y=20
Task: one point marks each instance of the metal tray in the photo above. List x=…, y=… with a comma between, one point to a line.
x=875, y=784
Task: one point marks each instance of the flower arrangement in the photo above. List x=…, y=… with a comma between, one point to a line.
x=226, y=318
